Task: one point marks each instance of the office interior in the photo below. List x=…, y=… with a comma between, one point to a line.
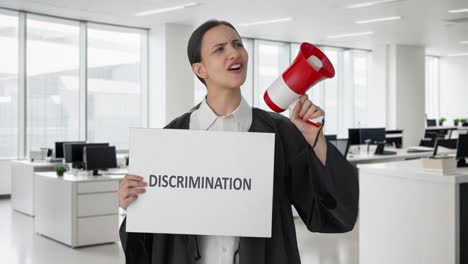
x=87, y=71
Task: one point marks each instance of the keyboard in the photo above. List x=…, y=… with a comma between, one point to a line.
x=115, y=172
x=388, y=152
x=416, y=149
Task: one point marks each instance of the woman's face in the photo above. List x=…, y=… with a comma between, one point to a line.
x=223, y=58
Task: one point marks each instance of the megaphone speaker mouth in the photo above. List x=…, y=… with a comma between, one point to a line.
x=308, y=50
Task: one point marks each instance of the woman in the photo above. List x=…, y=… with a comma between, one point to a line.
x=309, y=173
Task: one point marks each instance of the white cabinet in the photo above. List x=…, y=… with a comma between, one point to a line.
x=77, y=210
x=22, y=183
x=409, y=215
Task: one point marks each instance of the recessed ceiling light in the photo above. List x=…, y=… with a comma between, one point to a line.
x=458, y=54
x=163, y=10
x=378, y=20
x=371, y=3
x=266, y=22
x=458, y=10
x=464, y=42
x=351, y=35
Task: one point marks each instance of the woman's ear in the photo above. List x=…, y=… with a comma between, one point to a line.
x=199, y=70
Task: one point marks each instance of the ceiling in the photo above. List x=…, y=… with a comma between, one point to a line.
x=425, y=22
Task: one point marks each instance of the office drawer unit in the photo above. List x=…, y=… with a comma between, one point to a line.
x=77, y=210
x=22, y=183
x=411, y=215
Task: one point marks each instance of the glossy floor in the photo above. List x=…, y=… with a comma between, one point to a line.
x=19, y=244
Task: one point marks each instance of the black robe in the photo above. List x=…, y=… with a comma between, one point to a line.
x=326, y=198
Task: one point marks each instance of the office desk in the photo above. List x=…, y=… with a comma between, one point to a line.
x=77, y=210
x=363, y=157
x=22, y=183
x=410, y=215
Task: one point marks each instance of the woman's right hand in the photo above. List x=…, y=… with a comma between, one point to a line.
x=128, y=191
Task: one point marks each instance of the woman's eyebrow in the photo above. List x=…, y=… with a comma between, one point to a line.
x=219, y=44
x=224, y=43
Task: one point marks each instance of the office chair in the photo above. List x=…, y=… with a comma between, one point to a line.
x=447, y=143
x=342, y=144
x=430, y=139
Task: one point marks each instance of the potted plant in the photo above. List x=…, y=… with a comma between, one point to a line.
x=463, y=120
x=441, y=121
x=456, y=121
x=60, y=169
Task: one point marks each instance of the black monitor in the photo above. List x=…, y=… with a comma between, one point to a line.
x=431, y=122
x=59, y=147
x=373, y=135
x=99, y=158
x=73, y=152
x=447, y=143
x=462, y=150
x=354, y=136
x=359, y=136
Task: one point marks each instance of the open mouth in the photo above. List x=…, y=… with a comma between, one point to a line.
x=235, y=67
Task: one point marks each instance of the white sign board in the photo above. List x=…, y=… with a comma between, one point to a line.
x=202, y=182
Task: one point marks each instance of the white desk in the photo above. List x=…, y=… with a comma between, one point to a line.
x=409, y=215
x=442, y=128
x=22, y=183
x=77, y=210
x=364, y=157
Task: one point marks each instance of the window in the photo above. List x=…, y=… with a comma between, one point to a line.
x=271, y=60
x=328, y=88
x=115, y=83
x=8, y=85
x=432, y=87
x=52, y=89
x=360, y=66
x=247, y=89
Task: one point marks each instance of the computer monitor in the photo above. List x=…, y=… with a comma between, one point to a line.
x=99, y=158
x=59, y=147
x=373, y=135
x=462, y=150
x=354, y=136
x=447, y=143
x=431, y=122
x=359, y=136
x=73, y=152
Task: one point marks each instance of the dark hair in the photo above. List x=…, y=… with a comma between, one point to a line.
x=195, y=41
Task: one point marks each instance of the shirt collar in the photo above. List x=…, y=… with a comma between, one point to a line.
x=243, y=114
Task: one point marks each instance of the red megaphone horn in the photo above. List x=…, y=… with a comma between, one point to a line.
x=310, y=67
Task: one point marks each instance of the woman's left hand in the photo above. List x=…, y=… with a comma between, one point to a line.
x=304, y=110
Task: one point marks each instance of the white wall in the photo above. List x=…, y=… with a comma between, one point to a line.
x=5, y=177
x=406, y=100
x=453, y=88
x=171, y=79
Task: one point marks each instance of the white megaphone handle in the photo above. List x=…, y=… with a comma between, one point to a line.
x=317, y=122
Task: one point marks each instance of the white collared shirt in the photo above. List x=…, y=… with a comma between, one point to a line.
x=220, y=249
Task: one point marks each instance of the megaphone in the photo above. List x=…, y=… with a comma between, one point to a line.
x=310, y=67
